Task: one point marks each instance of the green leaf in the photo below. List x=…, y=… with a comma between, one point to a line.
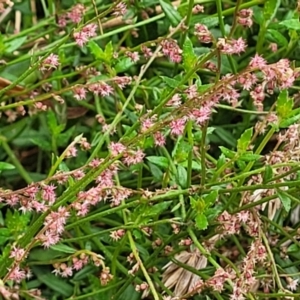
x=41, y=143
x=15, y=44
x=209, y=22
x=189, y=56
x=182, y=176
x=221, y=161
x=285, y=200
x=268, y=174
x=156, y=172
x=293, y=24
x=109, y=51
x=284, y=105
x=84, y=273
x=173, y=83
x=159, y=161
x=270, y=10
x=195, y=166
x=171, y=13
x=250, y=156
x=276, y=37
x=123, y=65
x=54, y=127
x=211, y=198
x=157, y=209
x=228, y=153
x=6, y=166
x=201, y=221
x=55, y=283
x=181, y=150
x=43, y=255
x=292, y=248
x=244, y=141
x=63, y=248
x=96, y=50
x=16, y=222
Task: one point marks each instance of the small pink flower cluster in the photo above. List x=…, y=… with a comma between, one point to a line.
x=231, y=46
x=231, y=224
x=203, y=34
x=130, y=157
x=245, y=17
x=51, y=62
x=101, y=87
x=171, y=49
x=75, y=15
x=82, y=37
x=54, y=225
x=120, y=10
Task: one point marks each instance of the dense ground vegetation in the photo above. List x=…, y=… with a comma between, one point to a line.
x=149, y=149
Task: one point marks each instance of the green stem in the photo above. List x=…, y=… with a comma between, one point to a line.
x=137, y=257
x=23, y=173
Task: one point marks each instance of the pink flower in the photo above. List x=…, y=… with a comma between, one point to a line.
x=177, y=126
x=146, y=51
x=101, y=88
x=231, y=46
x=292, y=284
x=201, y=115
x=51, y=62
x=175, y=101
x=133, y=157
x=18, y=254
x=159, y=139
x=16, y=274
x=257, y=62
x=120, y=9
x=122, y=81
x=79, y=93
x=75, y=15
x=90, y=30
x=203, y=34
x=134, y=56
x=48, y=193
x=273, y=47
x=82, y=37
x=191, y=92
x=117, y=234
x=171, y=49
x=116, y=148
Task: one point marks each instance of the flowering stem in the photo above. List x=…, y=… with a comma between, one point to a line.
x=136, y=255
x=33, y=68
x=222, y=28
x=273, y=263
x=63, y=155
x=203, y=151
x=190, y=155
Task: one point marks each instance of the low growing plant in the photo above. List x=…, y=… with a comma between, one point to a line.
x=150, y=149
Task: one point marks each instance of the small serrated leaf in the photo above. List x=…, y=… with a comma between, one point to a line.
x=284, y=105
x=171, y=13
x=189, y=56
x=160, y=161
x=268, y=174
x=201, y=221
x=293, y=24
x=182, y=176
x=270, y=10
x=244, y=141
x=285, y=200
